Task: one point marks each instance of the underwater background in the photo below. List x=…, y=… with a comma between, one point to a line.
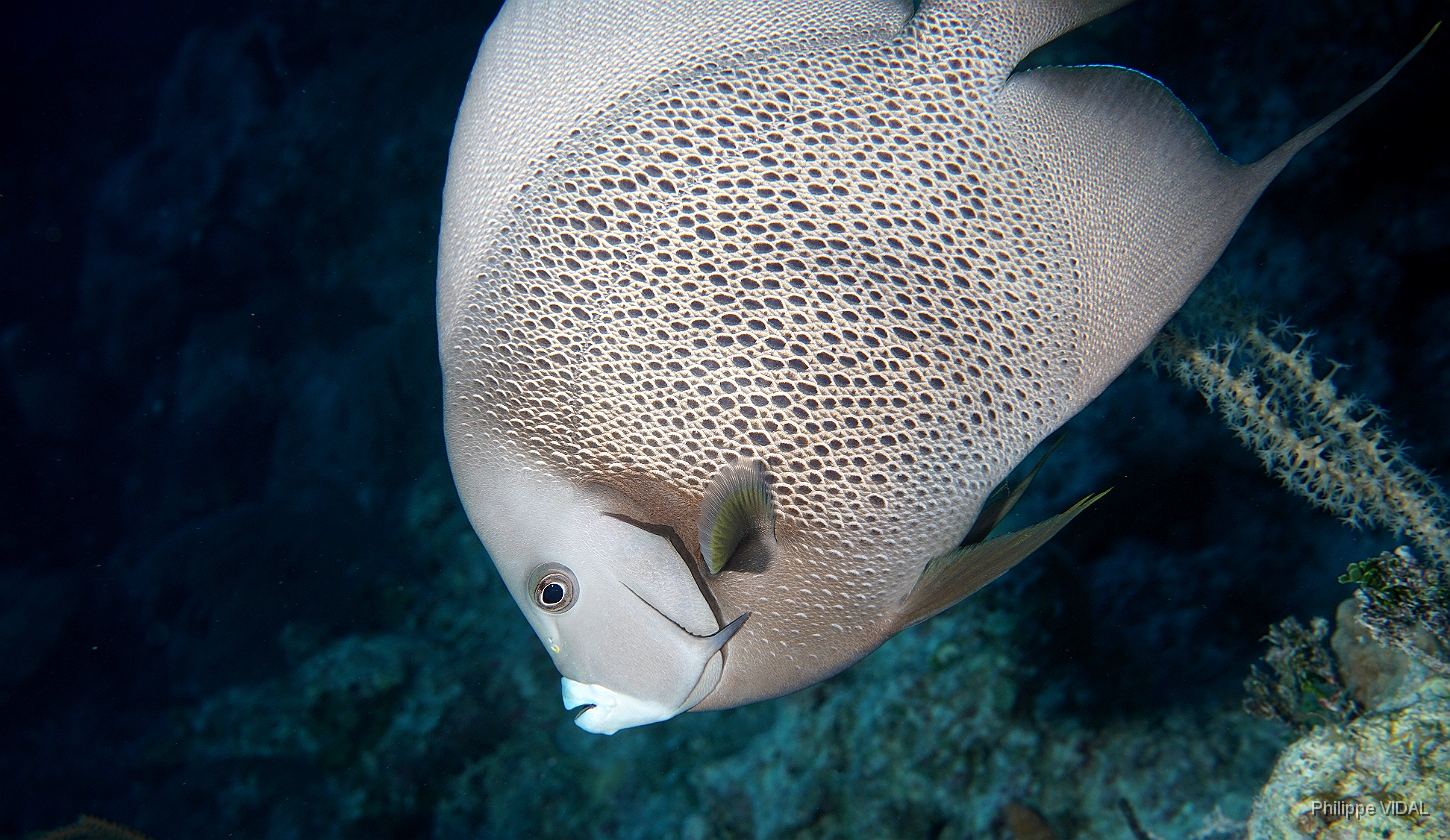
x=238, y=595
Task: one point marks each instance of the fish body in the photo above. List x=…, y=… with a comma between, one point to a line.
x=745, y=309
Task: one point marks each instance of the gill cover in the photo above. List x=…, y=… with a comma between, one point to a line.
x=615, y=606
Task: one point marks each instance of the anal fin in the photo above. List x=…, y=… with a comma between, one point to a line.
x=1004, y=498
x=957, y=574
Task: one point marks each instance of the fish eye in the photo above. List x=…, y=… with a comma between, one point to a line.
x=554, y=588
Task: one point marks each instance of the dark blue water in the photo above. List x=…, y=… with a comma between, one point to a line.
x=237, y=594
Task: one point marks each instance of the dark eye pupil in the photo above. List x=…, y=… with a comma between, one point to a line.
x=552, y=594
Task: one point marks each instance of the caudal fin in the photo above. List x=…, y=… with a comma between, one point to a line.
x=1148, y=200
x=1274, y=162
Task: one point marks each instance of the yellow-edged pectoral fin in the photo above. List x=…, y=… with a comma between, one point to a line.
x=737, y=506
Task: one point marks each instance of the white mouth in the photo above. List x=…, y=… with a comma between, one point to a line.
x=608, y=711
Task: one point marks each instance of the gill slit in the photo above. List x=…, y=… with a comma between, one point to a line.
x=718, y=639
x=685, y=556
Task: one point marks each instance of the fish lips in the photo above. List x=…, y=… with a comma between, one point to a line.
x=605, y=711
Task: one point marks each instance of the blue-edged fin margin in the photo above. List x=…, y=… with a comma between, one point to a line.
x=738, y=506
x=957, y=574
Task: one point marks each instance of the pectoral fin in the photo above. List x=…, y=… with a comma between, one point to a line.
x=738, y=506
x=957, y=574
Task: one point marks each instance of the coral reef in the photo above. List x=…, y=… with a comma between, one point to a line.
x=929, y=737
x=1385, y=775
x=1304, y=690
x=1375, y=765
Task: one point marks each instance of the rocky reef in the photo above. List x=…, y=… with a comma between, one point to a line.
x=1385, y=774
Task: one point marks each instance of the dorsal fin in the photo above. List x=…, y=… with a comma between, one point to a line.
x=1147, y=200
x=737, y=506
x=957, y=574
x=1017, y=27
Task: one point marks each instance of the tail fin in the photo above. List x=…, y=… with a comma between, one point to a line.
x=1148, y=201
x=1274, y=162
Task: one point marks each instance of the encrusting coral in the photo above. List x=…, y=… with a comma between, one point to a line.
x=1385, y=775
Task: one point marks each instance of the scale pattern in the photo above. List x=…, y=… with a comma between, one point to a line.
x=827, y=260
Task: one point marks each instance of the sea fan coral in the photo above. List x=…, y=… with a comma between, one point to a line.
x=1333, y=450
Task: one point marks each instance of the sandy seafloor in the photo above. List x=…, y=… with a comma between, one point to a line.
x=238, y=597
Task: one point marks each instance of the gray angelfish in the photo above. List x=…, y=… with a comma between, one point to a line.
x=745, y=308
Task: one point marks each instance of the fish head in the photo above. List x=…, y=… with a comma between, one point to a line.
x=614, y=603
